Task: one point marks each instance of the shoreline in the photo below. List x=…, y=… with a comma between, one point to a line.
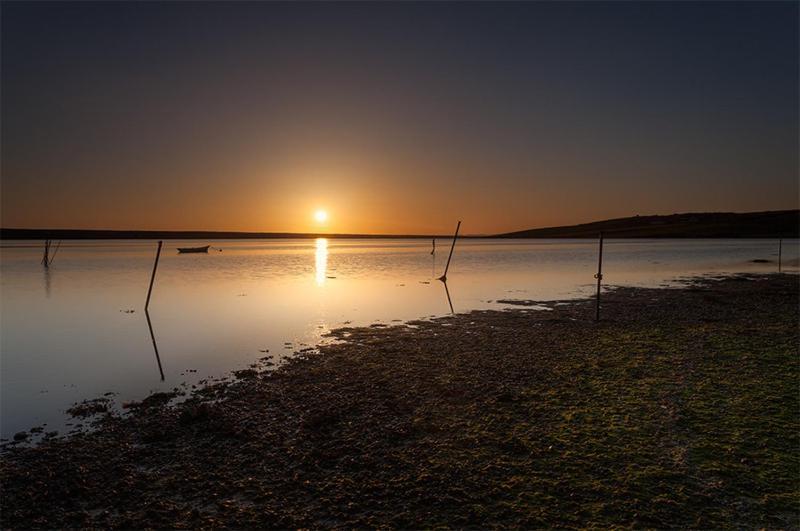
x=678, y=409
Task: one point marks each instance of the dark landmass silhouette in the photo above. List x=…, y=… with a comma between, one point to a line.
x=770, y=224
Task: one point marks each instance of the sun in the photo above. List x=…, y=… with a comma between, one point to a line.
x=321, y=216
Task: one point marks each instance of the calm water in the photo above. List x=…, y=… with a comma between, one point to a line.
x=78, y=330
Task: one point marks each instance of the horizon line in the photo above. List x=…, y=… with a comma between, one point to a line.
x=227, y=234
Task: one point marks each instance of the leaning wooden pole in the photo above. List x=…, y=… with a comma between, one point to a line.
x=599, y=277
x=153, y=276
x=443, y=278
x=780, y=254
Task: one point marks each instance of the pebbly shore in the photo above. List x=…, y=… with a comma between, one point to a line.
x=680, y=408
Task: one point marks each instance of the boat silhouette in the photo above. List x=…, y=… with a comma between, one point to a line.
x=193, y=249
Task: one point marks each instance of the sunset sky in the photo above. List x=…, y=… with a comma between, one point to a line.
x=394, y=118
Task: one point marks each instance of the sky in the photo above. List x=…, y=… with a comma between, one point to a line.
x=393, y=117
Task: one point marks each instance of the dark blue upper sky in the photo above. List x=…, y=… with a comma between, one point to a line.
x=396, y=117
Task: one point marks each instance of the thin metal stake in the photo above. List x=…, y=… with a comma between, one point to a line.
x=599, y=277
x=153, y=276
x=443, y=278
x=780, y=252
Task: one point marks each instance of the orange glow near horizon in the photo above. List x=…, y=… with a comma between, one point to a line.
x=322, y=118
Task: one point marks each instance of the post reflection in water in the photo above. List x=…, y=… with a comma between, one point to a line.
x=449, y=301
x=321, y=256
x=155, y=347
x=47, y=282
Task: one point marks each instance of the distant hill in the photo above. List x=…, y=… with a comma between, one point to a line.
x=773, y=224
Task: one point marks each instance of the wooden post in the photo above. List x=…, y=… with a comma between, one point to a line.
x=599, y=277
x=780, y=253
x=153, y=276
x=443, y=278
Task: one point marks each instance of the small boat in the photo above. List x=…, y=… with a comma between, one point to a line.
x=193, y=249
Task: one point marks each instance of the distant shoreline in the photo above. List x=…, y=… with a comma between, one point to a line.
x=771, y=224
x=171, y=235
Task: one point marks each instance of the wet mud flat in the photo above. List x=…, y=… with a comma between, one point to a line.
x=679, y=409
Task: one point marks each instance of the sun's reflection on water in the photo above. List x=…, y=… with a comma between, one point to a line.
x=321, y=256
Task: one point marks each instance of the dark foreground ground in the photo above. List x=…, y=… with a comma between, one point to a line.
x=681, y=409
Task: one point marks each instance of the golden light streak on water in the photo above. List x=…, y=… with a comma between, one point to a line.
x=321, y=262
